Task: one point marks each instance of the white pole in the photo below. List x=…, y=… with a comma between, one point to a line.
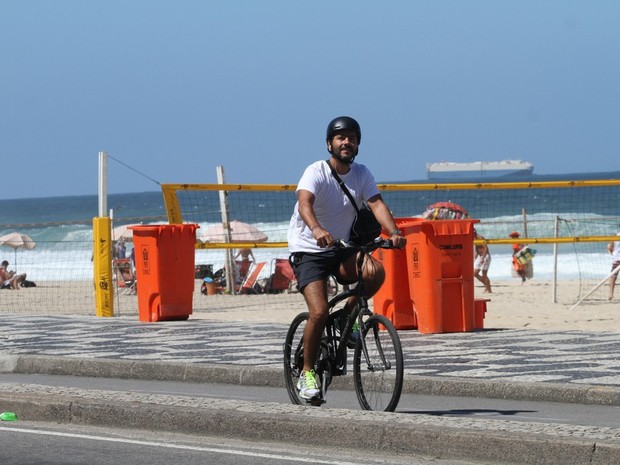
x=103, y=184
x=556, y=230
x=230, y=265
x=615, y=270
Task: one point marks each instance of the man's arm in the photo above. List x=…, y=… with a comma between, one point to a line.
x=386, y=220
x=305, y=200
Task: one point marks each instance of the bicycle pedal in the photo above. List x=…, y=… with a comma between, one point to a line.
x=316, y=402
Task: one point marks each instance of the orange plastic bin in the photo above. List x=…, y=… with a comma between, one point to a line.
x=393, y=299
x=441, y=274
x=165, y=270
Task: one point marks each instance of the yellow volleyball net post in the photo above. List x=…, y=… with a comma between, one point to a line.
x=102, y=267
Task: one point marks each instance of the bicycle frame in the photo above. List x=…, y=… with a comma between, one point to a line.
x=338, y=353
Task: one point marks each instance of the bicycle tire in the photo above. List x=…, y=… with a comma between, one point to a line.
x=294, y=356
x=378, y=387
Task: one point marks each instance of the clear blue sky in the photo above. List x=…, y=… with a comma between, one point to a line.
x=174, y=88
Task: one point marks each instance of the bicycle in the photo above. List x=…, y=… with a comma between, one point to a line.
x=377, y=356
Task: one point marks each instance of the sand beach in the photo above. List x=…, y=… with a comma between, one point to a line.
x=512, y=305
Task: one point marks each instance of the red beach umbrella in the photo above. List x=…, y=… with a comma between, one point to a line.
x=445, y=211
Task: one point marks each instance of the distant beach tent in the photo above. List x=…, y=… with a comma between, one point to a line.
x=445, y=211
x=17, y=240
x=123, y=232
x=239, y=232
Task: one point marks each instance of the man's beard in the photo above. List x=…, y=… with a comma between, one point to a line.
x=339, y=157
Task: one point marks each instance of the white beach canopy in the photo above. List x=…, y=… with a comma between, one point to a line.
x=17, y=240
x=123, y=232
x=239, y=232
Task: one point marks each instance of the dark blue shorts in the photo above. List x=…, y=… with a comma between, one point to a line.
x=310, y=267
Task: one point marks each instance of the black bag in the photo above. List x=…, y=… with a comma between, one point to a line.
x=365, y=227
x=26, y=283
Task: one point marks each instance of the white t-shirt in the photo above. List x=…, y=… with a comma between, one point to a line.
x=332, y=207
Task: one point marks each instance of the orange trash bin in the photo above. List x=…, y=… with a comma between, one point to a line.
x=441, y=275
x=393, y=299
x=165, y=270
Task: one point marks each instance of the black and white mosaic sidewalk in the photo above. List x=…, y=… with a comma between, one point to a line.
x=510, y=355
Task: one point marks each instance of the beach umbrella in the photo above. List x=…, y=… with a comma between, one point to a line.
x=239, y=232
x=17, y=240
x=123, y=232
x=445, y=211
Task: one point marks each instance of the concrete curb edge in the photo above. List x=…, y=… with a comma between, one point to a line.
x=328, y=429
x=273, y=377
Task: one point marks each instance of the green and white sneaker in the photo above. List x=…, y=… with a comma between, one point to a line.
x=354, y=336
x=307, y=385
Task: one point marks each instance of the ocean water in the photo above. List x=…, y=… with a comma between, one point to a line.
x=62, y=226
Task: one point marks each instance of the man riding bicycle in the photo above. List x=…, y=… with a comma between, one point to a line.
x=322, y=215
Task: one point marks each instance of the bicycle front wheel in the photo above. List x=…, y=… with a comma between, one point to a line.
x=378, y=370
x=294, y=356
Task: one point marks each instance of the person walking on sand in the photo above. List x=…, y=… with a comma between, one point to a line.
x=322, y=215
x=518, y=267
x=482, y=261
x=614, y=250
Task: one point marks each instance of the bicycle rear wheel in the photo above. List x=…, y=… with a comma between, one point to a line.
x=294, y=356
x=378, y=374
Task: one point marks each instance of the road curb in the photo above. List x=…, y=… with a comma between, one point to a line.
x=273, y=377
x=419, y=435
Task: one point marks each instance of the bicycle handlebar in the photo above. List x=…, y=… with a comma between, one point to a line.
x=378, y=243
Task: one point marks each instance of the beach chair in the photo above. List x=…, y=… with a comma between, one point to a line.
x=249, y=285
x=281, y=276
x=125, y=278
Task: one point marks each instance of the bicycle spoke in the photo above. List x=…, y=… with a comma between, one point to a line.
x=385, y=363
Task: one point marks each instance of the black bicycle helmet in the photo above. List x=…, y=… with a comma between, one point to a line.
x=343, y=123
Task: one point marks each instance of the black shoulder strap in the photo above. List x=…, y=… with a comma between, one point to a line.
x=342, y=185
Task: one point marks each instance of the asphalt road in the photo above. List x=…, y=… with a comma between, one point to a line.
x=511, y=410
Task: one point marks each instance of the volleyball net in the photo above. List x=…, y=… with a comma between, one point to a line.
x=568, y=223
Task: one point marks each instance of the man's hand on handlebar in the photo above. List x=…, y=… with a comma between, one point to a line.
x=398, y=241
x=379, y=243
x=323, y=238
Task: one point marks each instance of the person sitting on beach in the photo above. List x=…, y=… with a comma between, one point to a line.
x=518, y=267
x=614, y=250
x=9, y=279
x=482, y=261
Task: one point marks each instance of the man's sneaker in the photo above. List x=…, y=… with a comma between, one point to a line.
x=354, y=336
x=308, y=388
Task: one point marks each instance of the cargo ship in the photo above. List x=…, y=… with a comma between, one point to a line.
x=478, y=169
